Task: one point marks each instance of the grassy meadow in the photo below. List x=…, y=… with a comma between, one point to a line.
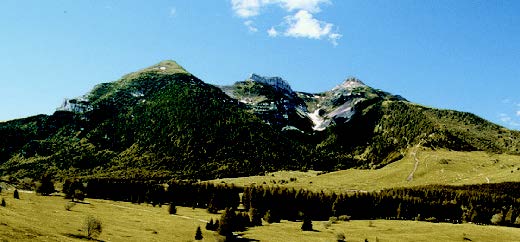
x=38, y=218
x=382, y=231
x=435, y=167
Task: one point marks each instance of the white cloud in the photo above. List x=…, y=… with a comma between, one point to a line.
x=505, y=118
x=272, y=32
x=303, y=24
x=246, y=8
x=250, y=27
x=312, y=6
x=518, y=113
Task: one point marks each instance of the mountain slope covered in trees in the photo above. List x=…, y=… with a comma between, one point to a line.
x=164, y=122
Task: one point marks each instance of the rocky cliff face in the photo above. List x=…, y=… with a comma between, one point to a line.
x=273, y=100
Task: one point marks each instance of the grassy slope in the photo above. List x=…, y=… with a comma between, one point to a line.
x=383, y=230
x=36, y=218
x=461, y=168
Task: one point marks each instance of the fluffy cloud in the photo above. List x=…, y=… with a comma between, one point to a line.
x=303, y=24
x=247, y=8
x=518, y=113
x=250, y=27
x=272, y=32
x=300, y=23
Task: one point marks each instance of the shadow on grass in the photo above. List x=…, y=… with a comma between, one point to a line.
x=83, y=237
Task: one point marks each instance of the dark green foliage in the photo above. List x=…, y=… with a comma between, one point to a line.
x=255, y=217
x=198, y=234
x=45, y=186
x=73, y=189
x=307, y=225
x=16, y=195
x=211, y=225
x=227, y=223
x=172, y=209
x=3, y=203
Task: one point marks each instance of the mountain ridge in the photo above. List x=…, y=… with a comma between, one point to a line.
x=162, y=121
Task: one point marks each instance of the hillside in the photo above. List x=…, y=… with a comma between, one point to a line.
x=163, y=122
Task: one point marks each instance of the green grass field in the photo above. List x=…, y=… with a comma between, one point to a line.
x=383, y=231
x=435, y=167
x=37, y=218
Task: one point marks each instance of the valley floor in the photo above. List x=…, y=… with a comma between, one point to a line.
x=38, y=218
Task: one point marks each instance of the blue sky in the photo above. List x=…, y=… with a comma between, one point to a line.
x=462, y=55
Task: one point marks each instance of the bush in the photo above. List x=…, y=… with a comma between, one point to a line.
x=45, y=186
x=344, y=218
x=198, y=234
x=93, y=227
x=497, y=218
x=307, y=225
x=69, y=205
x=271, y=217
x=340, y=237
x=431, y=220
x=333, y=220
x=3, y=203
x=172, y=209
x=16, y=195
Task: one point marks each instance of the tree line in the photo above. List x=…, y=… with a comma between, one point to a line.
x=482, y=204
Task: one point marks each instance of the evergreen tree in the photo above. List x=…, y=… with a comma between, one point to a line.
x=210, y=225
x=3, y=203
x=226, y=226
x=198, y=234
x=45, y=186
x=307, y=225
x=172, y=209
x=16, y=195
x=255, y=216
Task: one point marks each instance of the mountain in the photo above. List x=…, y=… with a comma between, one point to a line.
x=164, y=122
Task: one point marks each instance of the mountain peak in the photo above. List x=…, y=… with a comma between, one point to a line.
x=350, y=83
x=276, y=82
x=164, y=67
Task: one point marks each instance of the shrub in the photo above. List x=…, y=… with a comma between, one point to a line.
x=497, y=218
x=69, y=205
x=93, y=227
x=333, y=220
x=431, y=220
x=198, y=234
x=3, y=203
x=345, y=218
x=45, y=186
x=16, y=195
x=340, y=237
x=271, y=217
x=307, y=225
x=172, y=209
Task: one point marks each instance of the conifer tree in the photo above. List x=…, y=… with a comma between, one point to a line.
x=198, y=234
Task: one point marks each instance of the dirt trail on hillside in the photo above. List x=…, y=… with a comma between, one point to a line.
x=414, y=155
